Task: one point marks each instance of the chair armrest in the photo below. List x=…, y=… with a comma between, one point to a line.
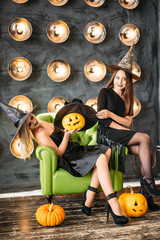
x=48, y=166
x=47, y=154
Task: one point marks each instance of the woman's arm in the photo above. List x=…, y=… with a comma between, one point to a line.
x=125, y=121
x=105, y=99
x=42, y=138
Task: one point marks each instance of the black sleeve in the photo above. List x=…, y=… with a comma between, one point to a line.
x=102, y=100
x=102, y=103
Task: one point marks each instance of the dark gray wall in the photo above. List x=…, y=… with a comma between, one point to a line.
x=40, y=51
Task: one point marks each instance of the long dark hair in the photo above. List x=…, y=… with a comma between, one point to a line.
x=128, y=93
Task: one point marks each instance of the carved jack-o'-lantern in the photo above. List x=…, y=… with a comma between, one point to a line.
x=133, y=204
x=73, y=121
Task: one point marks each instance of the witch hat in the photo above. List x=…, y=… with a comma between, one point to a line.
x=77, y=106
x=125, y=64
x=15, y=115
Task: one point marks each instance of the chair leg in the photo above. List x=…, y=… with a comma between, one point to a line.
x=49, y=198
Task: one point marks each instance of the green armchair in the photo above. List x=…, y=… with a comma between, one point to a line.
x=59, y=181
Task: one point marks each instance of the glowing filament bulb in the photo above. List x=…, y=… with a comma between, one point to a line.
x=19, y=69
x=131, y=34
x=56, y=70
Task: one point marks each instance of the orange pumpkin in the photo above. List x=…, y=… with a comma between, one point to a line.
x=133, y=204
x=50, y=215
x=73, y=121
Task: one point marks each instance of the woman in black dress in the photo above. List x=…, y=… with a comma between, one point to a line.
x=115, y=113
x=77, y=160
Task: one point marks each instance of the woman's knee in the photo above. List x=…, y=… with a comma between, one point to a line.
x=102, y=160
x=142, y=137
x=108, y=153
x=146, y=138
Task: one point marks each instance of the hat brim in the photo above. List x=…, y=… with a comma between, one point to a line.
x=22, y=120
x=86, y=111
x=113, y=68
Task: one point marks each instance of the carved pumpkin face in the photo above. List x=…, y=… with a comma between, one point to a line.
x=73, y=121
x=133, y=204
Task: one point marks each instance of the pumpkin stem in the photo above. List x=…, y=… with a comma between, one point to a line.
x=130, y=189
x=50, y=208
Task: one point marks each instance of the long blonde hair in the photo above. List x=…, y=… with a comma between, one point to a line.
x=128, y=93
x=26, y=142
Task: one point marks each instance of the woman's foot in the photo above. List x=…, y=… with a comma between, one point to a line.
x=151, y=205
x=88, y=200
x=117, y=216
x=113, y=202
x=150, y=186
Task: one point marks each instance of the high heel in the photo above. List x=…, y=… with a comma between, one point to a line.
x=87, y=210
x=151, y=205
x=119, y=220
x=152, y=191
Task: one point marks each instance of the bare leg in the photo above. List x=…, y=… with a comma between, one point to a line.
x=94, y=183
x=106, y=184
x=101, y=175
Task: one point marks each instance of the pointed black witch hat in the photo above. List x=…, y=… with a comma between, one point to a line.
x=15, y=115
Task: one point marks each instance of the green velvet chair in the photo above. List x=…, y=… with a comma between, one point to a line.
x=58, y=181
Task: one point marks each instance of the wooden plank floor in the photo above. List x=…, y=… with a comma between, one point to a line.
x=17, y=221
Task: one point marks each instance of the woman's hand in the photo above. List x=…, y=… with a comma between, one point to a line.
x=72, y=131
x=103, y=114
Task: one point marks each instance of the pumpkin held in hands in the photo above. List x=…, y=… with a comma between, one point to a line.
x=50, y=215
x=133, y=204
x=73, y=121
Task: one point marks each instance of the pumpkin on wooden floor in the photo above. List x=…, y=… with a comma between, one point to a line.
x=133, y=204
x=73, y=121
x=50, y=215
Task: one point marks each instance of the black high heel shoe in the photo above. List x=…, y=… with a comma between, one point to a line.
x=152, y=191
x=87, y=210
x=151, y=205
x=119, y=220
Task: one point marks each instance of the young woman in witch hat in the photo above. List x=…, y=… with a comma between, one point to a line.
x=115, y=113
x=77, y=160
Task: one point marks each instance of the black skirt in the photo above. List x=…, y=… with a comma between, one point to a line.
x=77, y=160
x=105, y=133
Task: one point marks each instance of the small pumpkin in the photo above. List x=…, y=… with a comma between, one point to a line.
x=73, y=121
x=133, y=204
x=50, y=215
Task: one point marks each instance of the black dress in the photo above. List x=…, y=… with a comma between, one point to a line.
x=77, y=160
x=110, y=100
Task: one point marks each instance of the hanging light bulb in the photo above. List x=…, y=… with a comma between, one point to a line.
x=95, y=70
x=136, y=107
x=95, y=3
x=95, y=32
x=92, y=102
x=20, y=68
x=129, y=4
x=55, y=104
x=58, y=2
x=129, y=34
x=20, y=29
x=20, y=1
x=15, y=148
x=21, y=102
x=58, y=31
x=58, y=70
